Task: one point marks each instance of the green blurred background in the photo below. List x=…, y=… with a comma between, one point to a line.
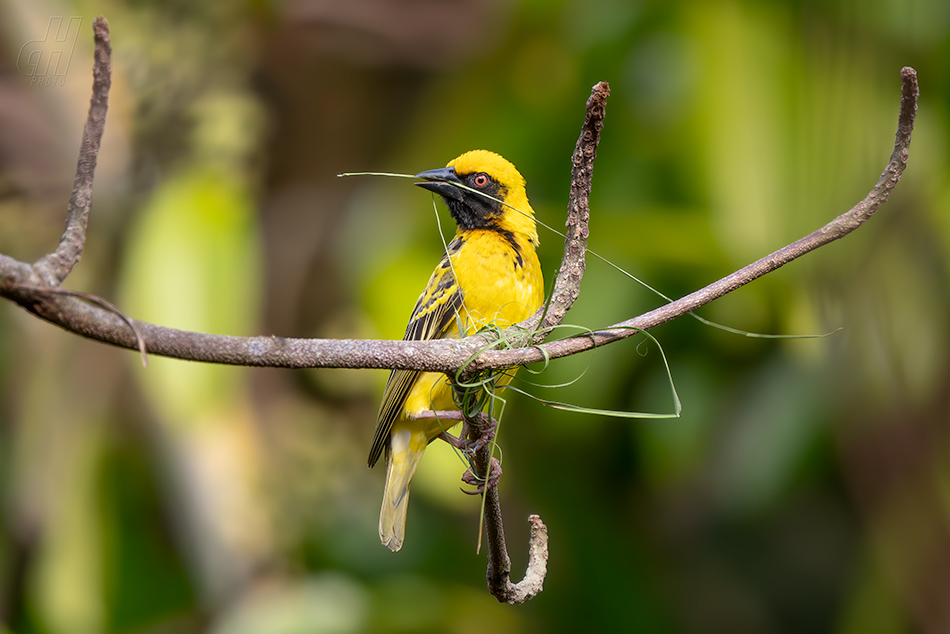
x=806, y=487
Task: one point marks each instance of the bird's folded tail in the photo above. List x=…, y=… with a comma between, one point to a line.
x=405, y=452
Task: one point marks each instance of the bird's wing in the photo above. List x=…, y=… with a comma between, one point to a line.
x=435, y=313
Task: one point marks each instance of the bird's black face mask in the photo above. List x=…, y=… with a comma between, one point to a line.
x=469, y=209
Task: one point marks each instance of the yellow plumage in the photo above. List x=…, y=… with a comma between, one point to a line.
x=489, y=275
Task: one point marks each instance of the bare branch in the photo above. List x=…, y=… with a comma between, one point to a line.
x=567, y=285
x=567, y=288
x=838, y=228
x=37, y=288
x=441, y=355
x=499, y=564
x=54, y=268
x=92, y=299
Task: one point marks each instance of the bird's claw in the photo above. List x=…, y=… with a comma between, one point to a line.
x=483, y=484
x=486, y=427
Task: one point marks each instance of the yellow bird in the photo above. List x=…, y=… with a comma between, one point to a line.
x=488, y=275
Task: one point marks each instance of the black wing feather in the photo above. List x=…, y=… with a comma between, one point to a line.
x=435, y=311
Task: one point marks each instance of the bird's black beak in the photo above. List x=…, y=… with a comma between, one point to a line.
x=442, y=181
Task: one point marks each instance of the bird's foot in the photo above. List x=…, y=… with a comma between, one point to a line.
x=483, y=484
x=484, y=429
x=452, y=440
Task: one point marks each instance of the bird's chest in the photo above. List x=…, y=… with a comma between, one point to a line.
x=500, y=283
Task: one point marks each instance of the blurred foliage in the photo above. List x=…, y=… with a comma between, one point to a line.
x=802, y=489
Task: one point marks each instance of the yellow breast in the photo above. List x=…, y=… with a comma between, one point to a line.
x=502, y=285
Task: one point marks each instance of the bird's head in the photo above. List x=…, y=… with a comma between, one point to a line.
x=472, y=186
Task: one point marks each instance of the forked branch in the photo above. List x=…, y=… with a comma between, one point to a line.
x=566, y=289
x=440, y=355
x=37, y=288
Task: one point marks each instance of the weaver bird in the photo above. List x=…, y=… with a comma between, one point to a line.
x=489, y=275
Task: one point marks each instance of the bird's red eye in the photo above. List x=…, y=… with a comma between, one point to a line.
x=481, y=180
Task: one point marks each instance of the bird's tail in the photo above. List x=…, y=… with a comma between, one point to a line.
x=405, y=453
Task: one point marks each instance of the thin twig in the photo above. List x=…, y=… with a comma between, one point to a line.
x=54, y=267
x=499, y=563
x=566, y=290
x=567, y=285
